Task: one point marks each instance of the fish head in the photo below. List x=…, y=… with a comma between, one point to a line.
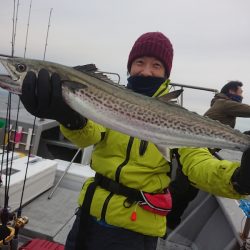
x=17, y=69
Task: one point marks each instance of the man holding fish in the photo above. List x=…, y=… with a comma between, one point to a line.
x=125, y=206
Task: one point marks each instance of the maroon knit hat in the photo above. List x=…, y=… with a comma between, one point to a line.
x=153, y=44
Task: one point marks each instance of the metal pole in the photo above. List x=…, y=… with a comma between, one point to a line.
x=182, y=97
x=65, y=172
x=245, y=234
x=193, y=87
x=246, y=229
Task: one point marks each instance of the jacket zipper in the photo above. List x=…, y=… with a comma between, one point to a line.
x=117, y=176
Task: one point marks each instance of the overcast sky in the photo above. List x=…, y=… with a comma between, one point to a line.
x=211, y=38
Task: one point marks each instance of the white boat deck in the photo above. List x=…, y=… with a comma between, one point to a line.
x=52, y=218
x=48, y=217
x=39, y=178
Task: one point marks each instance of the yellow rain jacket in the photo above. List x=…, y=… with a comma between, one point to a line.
x=116, y=156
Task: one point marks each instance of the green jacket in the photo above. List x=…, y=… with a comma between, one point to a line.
x=116, y=156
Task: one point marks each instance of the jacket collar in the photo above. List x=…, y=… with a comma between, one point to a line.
x=163, y=89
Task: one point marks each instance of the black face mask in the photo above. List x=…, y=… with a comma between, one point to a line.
x=236, y=98
x=145, y=85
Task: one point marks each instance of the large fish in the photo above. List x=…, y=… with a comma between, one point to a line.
x=115, y=107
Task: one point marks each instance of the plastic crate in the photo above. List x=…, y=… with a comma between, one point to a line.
x=38, y=244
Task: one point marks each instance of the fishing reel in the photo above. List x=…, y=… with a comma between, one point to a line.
x=19, y=222
x=7, y=231
x=10, y=225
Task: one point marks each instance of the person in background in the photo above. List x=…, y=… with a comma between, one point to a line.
x=227, y=105
x=113, y=212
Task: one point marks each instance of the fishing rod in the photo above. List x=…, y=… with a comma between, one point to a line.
x=13, y=145
x=10, y=222
x=3, y=145
x=27, y=31
x=6, y=196
x=13, y=28
x=20, y=220
x=47, y=35
x=15, y=15
x=6, y=231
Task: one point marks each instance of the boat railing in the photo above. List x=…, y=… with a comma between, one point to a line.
x=183, y=86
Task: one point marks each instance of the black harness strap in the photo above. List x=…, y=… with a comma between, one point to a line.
x=84, y=216
x=114, y=188
x=117, y=188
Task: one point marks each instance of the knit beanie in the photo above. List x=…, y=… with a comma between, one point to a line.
x=153, y=44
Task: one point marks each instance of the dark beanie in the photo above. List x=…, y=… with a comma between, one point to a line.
x=153, y=44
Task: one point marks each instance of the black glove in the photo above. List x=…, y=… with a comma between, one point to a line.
x=241, y=176
x=42, y=97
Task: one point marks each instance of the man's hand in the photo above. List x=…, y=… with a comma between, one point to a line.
x=42, y=97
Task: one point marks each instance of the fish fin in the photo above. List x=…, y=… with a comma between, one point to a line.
x=92, y=70
x=165, y=151
x=86, y=68
x=171, y=95
x=73, y=85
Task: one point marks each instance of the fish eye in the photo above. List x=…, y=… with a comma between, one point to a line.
x=20, y=67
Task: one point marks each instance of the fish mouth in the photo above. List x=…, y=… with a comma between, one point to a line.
x=7, y=83
x=9, y=80
x=5, y=61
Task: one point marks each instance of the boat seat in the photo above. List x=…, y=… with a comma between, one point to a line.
x=204, y=228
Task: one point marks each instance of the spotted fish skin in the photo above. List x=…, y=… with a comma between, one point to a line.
x=115, y=107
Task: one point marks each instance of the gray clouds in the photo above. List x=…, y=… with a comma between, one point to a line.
x=211, y=38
